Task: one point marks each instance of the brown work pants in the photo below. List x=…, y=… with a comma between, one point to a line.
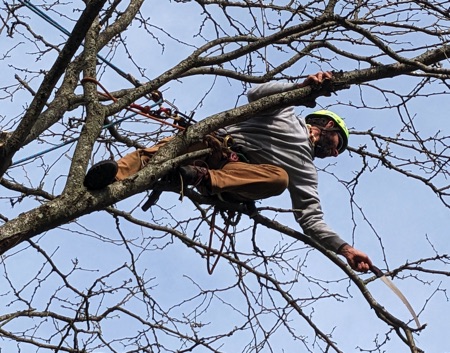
x=242, y=181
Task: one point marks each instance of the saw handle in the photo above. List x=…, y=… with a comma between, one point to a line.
x=376, y=271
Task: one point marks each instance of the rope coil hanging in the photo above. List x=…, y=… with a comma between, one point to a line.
x=231, y=218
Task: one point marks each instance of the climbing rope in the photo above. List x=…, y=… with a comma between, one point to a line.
x=160, y=115
x=230, y=218
x=55, y=24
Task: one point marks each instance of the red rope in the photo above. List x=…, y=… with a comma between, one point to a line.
x=136, y=108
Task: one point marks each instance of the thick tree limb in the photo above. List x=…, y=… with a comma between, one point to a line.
x=39, y=101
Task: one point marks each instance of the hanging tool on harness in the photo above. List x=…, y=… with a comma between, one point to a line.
x=180, y=120
x=160, y=115
x=220, y=144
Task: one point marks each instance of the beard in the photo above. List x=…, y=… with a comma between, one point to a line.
x=324, y=147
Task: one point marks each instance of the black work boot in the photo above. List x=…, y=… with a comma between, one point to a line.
x=100, y=175
x=193, y=175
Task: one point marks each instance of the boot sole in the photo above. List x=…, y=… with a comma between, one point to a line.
x=101, y=175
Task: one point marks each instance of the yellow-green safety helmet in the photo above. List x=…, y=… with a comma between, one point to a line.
x=339, y=124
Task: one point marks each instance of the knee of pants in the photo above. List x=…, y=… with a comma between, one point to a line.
x=280, y=180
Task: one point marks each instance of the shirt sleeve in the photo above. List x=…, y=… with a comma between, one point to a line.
x=308, y=211
x=267, y=89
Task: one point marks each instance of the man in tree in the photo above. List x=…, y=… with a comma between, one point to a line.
x=280, y=149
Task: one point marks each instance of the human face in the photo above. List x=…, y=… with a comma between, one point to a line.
x=328, y=144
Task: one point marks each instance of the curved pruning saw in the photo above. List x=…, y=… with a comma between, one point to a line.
x=377, y=272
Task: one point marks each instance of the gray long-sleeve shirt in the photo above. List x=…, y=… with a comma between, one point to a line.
x=279, y=137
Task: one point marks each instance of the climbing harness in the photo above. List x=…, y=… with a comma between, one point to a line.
x=221, y=145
